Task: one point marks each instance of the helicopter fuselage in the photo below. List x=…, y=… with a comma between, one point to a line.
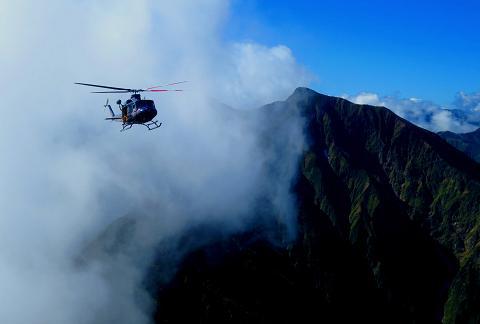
x=135, y=111
x=138, y=111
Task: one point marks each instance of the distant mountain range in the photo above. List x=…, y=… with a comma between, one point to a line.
x=468, y=142
x=388, y=231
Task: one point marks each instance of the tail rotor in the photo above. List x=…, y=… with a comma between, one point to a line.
x=109, y=108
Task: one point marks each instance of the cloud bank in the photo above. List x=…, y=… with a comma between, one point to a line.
x=66, y=173
x=461, y=117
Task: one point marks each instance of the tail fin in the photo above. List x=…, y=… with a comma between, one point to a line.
x=111, y=111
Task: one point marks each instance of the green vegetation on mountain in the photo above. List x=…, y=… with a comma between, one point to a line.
x=413, y=203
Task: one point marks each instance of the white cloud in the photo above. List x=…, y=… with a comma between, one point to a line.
x=365, y=98
x=261, y=74
x=461, y=117
x=66, y=172
x=470, y=103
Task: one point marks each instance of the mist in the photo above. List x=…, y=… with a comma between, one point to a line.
x=66, y=173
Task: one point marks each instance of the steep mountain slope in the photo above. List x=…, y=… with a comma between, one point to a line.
x=468, y=142
x=413, y=201
x=388, y=217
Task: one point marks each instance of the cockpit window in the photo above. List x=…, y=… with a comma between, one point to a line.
x=129, y=103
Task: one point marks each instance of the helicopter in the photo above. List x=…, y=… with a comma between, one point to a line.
x=135, y=111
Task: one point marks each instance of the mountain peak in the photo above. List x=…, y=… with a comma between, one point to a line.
x=303, y=94
x=304, y=91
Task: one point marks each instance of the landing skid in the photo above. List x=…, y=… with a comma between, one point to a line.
x=151, y=126
x=126, y=127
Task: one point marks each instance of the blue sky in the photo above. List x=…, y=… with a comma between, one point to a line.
x=424, y=49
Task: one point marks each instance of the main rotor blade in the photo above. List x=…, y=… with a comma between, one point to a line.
x=166, y=85
x=101, y=86
x=162, y=90
x=126, y=91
